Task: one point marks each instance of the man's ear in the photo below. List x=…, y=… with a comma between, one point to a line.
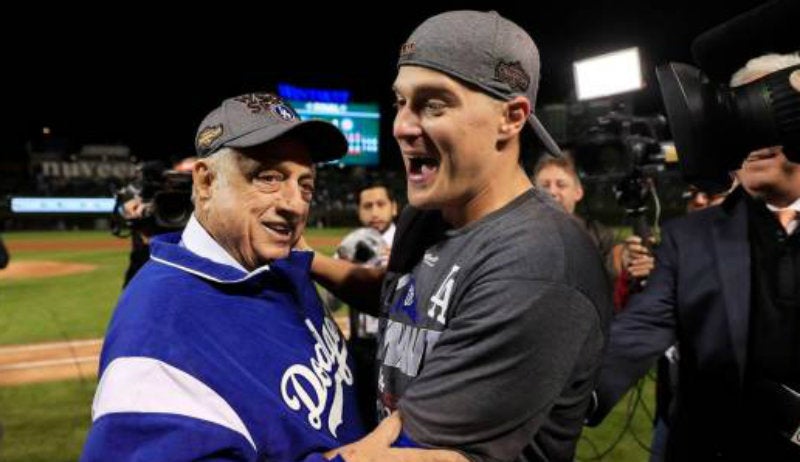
x=515, y=116
x=203, y=179
x=579, y=193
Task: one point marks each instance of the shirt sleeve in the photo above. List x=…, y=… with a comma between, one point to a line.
x=164, y=437
x=500, y=366
x=146, y=409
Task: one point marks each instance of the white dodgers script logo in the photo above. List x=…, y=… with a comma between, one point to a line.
x=308, y=387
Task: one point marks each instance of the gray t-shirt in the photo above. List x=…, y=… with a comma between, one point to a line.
x=491, y=340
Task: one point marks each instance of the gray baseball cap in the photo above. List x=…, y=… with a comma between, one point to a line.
x=483, y=49
x=257, y=118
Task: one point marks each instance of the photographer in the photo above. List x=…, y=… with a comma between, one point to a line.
x=139, y=208
x=725, y=288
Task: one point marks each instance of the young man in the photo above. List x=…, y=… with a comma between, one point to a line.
x=219, y=348
x=495, y=303
x=377, y=209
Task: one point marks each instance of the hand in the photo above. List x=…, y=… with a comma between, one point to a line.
x=133, y=209
x=637, y=259
x=375, y=447
x=372, y=447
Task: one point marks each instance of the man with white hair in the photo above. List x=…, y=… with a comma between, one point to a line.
x=725, y=287
x=219, y=349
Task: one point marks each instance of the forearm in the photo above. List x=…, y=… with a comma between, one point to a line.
x=357, y=285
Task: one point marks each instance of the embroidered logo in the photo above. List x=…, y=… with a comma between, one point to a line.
x=309, y=386
x=267, y=103
x=513, y=75
x=208, y=135
x=407, y=48
x=284, y=112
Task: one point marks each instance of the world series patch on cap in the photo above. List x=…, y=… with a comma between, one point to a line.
x=257, y=118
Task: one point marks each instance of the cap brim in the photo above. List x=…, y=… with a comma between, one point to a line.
x=325, y=142
x=544, y=137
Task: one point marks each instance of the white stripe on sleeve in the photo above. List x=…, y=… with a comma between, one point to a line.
x=147, y=385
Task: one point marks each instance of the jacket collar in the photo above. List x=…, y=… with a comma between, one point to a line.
x=194, y=251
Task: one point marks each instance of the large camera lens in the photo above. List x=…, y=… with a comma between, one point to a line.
x=172, y=209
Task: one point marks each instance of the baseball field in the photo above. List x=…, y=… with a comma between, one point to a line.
x=56, y=298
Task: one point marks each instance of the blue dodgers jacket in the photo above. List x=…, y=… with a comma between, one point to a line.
x=203, y=361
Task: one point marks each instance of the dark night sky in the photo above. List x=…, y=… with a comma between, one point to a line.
x=146, y=78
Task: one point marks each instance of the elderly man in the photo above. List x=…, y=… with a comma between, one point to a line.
x=219, y=348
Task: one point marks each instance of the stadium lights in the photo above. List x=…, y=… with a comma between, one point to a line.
x=608, y=74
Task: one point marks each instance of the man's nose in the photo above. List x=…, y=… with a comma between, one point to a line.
x=292, y=198
x=406, y=124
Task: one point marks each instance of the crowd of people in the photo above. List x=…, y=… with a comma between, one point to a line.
x=482, y=323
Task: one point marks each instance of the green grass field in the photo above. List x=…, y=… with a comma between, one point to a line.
x=48, y=422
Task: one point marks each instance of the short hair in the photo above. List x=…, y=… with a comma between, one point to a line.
x=221, y=163
x=371, y=185
x=565, y=162
x=763, y=65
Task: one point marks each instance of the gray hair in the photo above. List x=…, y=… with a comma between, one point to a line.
x=221, y=163
x=763, y=65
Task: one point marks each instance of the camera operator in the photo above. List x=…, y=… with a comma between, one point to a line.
x=725, y=288
x=138, y=208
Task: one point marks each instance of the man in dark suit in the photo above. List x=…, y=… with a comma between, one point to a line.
x=725, y=287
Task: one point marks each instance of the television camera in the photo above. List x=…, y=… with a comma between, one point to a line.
x=629, y=148
x=158, y=200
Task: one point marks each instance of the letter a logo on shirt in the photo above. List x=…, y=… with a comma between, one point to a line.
x=441, y=299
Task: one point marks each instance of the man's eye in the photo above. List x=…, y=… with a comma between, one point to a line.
x=269, y=178
x=435, y=106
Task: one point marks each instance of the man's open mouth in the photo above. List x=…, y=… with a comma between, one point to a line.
x=422, y=168
x=281, y=229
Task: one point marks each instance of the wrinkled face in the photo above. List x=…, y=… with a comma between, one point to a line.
x=561, y=184
x=767, y=171
x=375, y=209
x=447, y=134
x=257, y=208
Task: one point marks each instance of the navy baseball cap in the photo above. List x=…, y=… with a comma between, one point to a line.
x=485, y=50
x=257, y=118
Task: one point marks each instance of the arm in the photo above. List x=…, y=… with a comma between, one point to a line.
x=642, y=333
x=356, y=285
x=145, y=409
